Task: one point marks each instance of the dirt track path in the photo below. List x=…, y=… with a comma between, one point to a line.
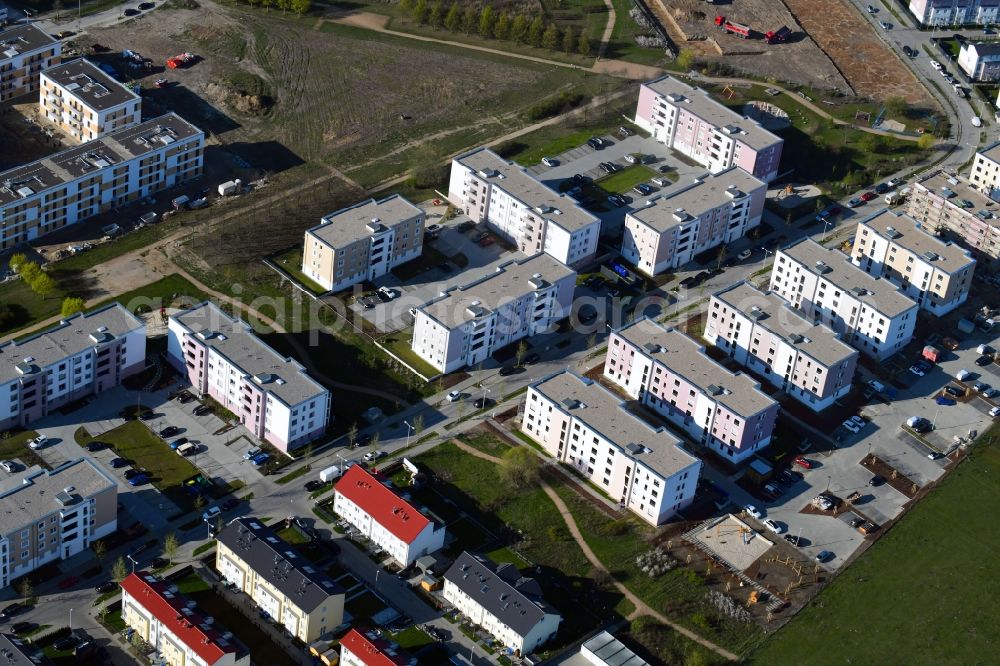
x=641, y=607
x=609, y=29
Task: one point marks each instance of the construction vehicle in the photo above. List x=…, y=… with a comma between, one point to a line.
x=182, y=60
x=738, y=29
x=780, y=35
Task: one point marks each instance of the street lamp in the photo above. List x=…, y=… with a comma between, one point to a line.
x=766, y=252
x=409, y=429
x=132, y=560
x=485, y=391
x=342, y=461
x=71, y=620
x=826, y=225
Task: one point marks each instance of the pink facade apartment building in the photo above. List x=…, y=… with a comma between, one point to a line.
x=955, y=12
x=723, y=411
x=760, y=331
x=688, y=120
x=273, y=396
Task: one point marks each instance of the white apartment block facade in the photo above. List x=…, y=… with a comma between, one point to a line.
x=954, y=12
x=583, y=425
x=688, y=120
x=934, y=273
x=273, y=396
x=53, y=515
x=25, y=50
x=870, y=313
x=712, y=211
x=84, y=102
x=386, y=519
x=980, y=62
x=86, y=180
x=759, y=330
x=83, y=355
x=985, y=171
x=466, y=325
x=363, y=242
x=952, y=207
x=521, y=208
x=722, y=411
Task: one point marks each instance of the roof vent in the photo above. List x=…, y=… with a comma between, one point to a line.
x=891, y=232
x=821, y=267
x=931, y=256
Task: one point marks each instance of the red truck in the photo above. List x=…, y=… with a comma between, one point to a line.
x=738, y=29
x=182, y=60
x=932, y=354
x=779, y=35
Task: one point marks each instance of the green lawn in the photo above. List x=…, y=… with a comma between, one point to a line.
x=486, y=442
x=294, y=474
x=412, y=638
x=924, y=594
x=399, y=344
x=167, y=290
x=622, y=45
x=292, y=535
x=27, y=305
x=290, y=261
x=623, y=181
x=16, y=447
x=114, y=622
x=363, y=607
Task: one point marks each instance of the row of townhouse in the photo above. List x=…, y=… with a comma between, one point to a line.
x=870, y=313
x=385, y=518
x=501, y=600
x=760, y=331
x=711, y=211
x=83, y=181
x=368, y=648
x=300, y=597
x=585, y=426
x=935, y=273
x=25, y=50
x=952, y=206
x=363, y=242
x=465, y=325
x=84, y=102
x=955, y=12
x=691, y=122
x=272, y=395
x=82, y=355
x=172, y=625
x=48, y=516
x=723, y=411
x=522, y=209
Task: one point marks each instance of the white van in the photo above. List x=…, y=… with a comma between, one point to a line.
x=329, y=474
x=962, y=375
x=186, y=449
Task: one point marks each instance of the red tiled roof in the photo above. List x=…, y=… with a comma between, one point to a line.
x=384, y=506
x=149, y=593
x=373, y=652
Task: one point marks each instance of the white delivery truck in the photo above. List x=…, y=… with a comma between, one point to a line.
x=329, y=474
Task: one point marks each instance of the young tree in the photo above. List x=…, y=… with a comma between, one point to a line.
x=520, y=352
x=376, y=438
x=896, y=106
x=568, y=40
x=685, y=59
x=71, y=305
x=520, y=467
x=17, y=260
x=352, y=434
x=583, y=44
x=43, y=285
x=406, y=5
x=28, y=270
x=25, y=588
x=418, y=424
x=420, y=11
x=119, y=570
x=519, y=29
x=170, y=545
x=536, y=31
x=100, y=551
x=502, y=28
x=721, y=257
x=267, y=5
x=436, y=18
x=487, y=18
x=925, y=141
x=453, y=17
x=300, y=7
x=469, y=20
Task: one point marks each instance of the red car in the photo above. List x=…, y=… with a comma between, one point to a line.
x=489, y=240
x=868, y=196
x=67, y=583
x=802, y=462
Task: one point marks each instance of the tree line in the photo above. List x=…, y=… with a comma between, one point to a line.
x=42, y=283
x=488, y=23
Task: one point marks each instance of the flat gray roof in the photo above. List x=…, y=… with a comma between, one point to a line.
x=89, y=158
x=907, y=233
x=89, y=85
x=23, y=38
x=510, y=281
x=681, y=203
x=881, y=295
x=686, y=357
x=992, y=151
x=772, y=313
x=955, y=191
x=46, y=492
x=282, y=377
x=700, y=103
x=605, y=412
x=511, y=178
x=349, y=225
x=70, y=336
x=611, y=651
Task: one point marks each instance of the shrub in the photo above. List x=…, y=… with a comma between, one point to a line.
x=554, y=106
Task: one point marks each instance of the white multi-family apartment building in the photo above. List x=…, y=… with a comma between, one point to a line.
x=954, y=12
x=363, y=242
x=935, y=273
x=723, y=411
x=501, y=600
x=585, y=426
x=979, y=61
x=172, y=625
x=381, y=515
x=53, y=515
x=86, y=180
x=759, y=330
x=297, y=595
x=25, y=50
x=84, y=102
x=466, y=325
x=368, y=648
x=870, y=313
x=521, y=208
x=951, y=207
x=712, y=211
x=688, y=120
x=272, y=395
x=985, y=171
x=82, y=355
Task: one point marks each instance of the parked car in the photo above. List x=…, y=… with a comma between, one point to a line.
x=745, y=254
x=789, y=478
x=211, y=513
x=868, y=196
x=643, y=189
x=230, y=504
x=11, y=610
x=372, y=456
x=482, y=403
x=950, y=389
x=792, y=539
x=803, y=462
x=118, y=462
x=824, y=555
x=917, y=370
x=108, y=586
x=68, y=582
x=201, y=410
x=169, y=431
x=146, y=415
x=159, y=562
x=753, y=511
x=131, y=474
x=549, y=162
x=876, y=480
x=858, y=421
x=454, y=396
x=850, y=426
x=531, y=358
x=994, y=412
x=855, y=202
x=773, y=526
x=7, y=465
x=314, y=485
x=260, y=459
x=251, y=453
x=38, y=442
x=138, y=480
x=881, y=188
x=507, y=370
x=178, y=443
x=984, y=360
x=21, y=627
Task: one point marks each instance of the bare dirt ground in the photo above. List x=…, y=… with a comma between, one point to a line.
x=24, y=140
x=799, y=60
x=871, y=69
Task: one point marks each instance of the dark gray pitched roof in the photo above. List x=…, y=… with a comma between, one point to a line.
x=278, y=563
x=514, y=599
x=16, y=651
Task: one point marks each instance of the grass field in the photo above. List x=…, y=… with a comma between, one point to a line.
x=399, y=343
x=15, y=447
x=622, y=45
x=27, y=305
x=170, y=290
x=291, y=262
x=924, y=594
x=624, y=180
